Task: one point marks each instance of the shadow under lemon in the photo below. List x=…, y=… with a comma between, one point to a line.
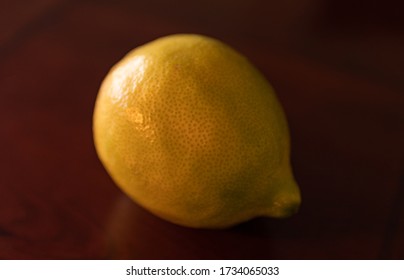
x=134, y=233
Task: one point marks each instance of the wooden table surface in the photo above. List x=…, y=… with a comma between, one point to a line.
x=337, y=67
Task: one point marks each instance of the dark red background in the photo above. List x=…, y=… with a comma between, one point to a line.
x=337, y=67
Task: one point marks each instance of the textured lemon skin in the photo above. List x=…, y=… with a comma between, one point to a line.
x=191, y=131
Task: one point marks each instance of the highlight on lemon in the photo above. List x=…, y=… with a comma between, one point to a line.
x=190, y=130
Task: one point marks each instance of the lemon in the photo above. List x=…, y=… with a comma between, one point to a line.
x=191, y=131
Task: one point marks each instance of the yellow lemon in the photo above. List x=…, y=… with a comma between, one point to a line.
x=191, y=131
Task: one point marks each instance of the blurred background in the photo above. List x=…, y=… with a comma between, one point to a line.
x=337, y=67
